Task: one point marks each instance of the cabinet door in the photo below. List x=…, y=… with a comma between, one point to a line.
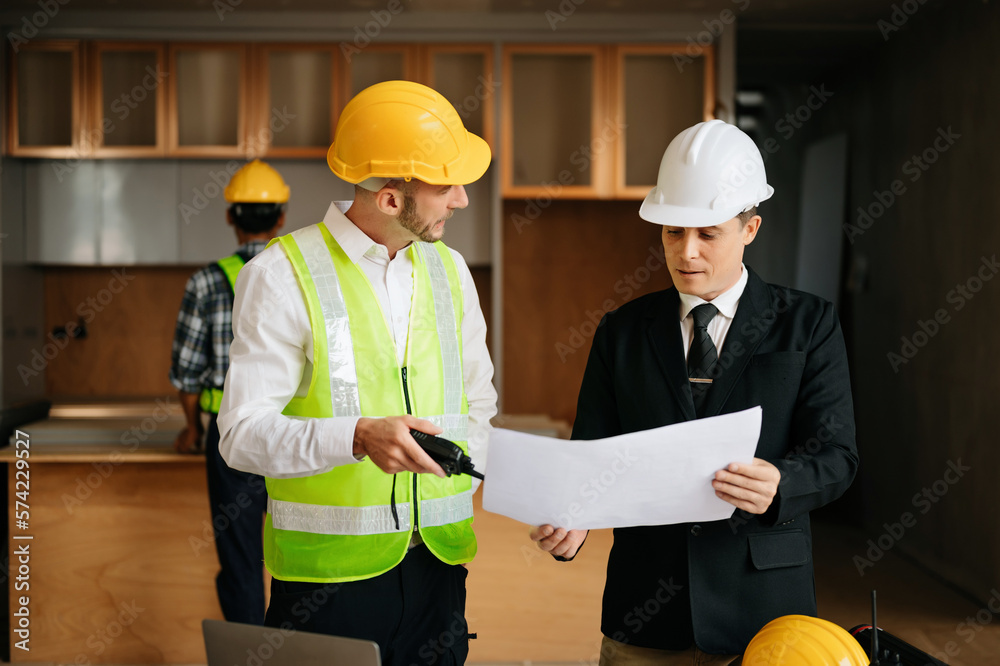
x=463, y=73
x=127, y=100
x=375, y=64
x=62, y=212
x=659, y=90
x=557, y=140
x=208, y=100
x=139, y=212
x=295, y=101
x=45, y=109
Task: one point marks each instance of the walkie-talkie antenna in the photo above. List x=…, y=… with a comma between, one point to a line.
x=874, y=655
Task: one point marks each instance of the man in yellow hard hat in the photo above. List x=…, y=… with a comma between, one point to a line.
x=257, y=196
x=348, y=334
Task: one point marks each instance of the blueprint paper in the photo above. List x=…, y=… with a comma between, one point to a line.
x=655, y=477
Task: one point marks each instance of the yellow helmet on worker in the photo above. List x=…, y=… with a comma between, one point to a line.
x=801, y=640
x=404, y=130
x=257, y=182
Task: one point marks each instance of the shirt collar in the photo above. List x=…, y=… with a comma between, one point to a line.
x=726, y=302
x=355, y=243
x=252, y=248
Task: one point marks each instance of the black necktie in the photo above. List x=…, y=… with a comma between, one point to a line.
x=702, y=355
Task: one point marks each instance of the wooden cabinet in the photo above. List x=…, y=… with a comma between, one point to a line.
x=208, y=100
x=127, y=100
x=552, y=107
x=463, y=73
x=657, y=92
x=377, y=63
x=592, y=121
x=296, y=98
x=45, y=112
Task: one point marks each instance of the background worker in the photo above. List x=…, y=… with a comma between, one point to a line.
x=257, y=196
x=720, y=340
x=347, y=334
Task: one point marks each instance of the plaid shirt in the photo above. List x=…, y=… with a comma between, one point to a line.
x=200, y=356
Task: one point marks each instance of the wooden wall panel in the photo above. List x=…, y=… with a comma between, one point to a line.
x=129, y=333
x=131, y=313
x=562, y=271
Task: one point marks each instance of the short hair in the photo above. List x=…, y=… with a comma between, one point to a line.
x=746, y=215
x=255, y=218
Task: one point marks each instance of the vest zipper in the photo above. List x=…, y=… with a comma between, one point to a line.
x=416, y=517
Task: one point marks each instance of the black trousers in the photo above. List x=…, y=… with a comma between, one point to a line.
x=415, y=612
x=239, y=502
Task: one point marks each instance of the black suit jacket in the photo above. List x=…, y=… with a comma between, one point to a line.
x=718, y=583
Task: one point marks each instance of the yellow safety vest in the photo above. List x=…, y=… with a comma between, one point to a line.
x=211, y=398
x=355, y=521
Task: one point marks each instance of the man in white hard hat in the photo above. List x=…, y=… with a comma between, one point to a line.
x=720, y=340
x=349, y=333
x=257, y=196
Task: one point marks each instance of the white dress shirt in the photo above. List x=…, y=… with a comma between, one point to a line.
x=726, y=302
x=271, y=360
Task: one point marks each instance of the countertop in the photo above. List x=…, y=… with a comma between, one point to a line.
x=144, y=431
x=103, y=431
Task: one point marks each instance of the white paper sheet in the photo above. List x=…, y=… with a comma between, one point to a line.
x=655, y=477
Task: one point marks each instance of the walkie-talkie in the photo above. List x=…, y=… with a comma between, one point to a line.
x=446, y=453
x=888, y=650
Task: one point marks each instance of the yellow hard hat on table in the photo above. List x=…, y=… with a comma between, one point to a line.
x=404, y=130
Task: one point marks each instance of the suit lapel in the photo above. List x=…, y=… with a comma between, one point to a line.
x=754, y=318
x=665, y=337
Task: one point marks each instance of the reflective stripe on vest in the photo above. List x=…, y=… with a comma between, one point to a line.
x=339, y=526
x=361, y=520
x=211, y=398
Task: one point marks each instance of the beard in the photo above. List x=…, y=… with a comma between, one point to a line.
x=412, y=222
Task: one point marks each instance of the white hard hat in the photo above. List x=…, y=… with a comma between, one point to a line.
x=709, y=174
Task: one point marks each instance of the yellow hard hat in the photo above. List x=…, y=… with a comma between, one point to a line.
x=401, y=129
x=257, y=182
x=800, y=640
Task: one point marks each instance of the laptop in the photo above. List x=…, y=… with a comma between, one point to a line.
x=235, y=644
